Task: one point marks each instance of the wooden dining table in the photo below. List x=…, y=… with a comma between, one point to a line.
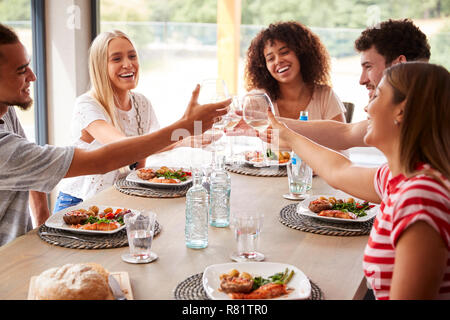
x=333, y=263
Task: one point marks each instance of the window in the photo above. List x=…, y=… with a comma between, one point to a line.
x=17, y=14
x=177, y=41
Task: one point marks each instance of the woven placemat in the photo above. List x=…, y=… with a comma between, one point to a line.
x=135, y=189
x=106, y=241
x=272, y=171
x=290, y=218
x=192, y=289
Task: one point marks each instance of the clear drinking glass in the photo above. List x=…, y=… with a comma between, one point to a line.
x=254, y=108
x=299, y=178
x=247, y=229
x=140, y=226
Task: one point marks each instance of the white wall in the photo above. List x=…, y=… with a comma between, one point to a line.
x=68, y=38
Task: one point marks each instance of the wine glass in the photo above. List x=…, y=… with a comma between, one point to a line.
x=232, y=118
x=255, y=107
x=214, y=90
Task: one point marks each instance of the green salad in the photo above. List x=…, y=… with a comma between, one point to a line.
x=278, y=278
x=359, y=209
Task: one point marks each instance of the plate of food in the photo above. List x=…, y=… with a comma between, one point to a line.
x=255, y=158
x=334, y=209
x=89, y=220
x=160, y=177
x=255, y=280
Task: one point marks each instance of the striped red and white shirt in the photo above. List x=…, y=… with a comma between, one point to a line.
x=404, y=201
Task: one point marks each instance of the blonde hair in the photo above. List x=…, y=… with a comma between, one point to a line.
x=425, y=132
x=101, y=86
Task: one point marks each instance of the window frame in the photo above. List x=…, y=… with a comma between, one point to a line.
x=40, y=69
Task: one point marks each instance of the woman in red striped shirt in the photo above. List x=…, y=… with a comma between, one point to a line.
x=407, y=255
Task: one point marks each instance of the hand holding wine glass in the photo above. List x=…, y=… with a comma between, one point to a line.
x=255, y=107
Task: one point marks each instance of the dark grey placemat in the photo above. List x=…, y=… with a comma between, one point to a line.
x=135, y=189
x=106, y=241
x=272, y=171
x=289, y=217
x=192, y=289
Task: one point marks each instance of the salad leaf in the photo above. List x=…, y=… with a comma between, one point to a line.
x=359, y=209
x=179, y=174
x=279, y=278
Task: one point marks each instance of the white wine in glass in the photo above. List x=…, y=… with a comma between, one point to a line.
x=260, y=125
x=234, y=115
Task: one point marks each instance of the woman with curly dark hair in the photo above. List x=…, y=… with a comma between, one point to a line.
x=290, y=63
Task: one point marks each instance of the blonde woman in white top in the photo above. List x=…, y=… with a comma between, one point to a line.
x=108, y=112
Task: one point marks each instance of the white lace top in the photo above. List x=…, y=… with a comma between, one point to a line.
x=87, y=110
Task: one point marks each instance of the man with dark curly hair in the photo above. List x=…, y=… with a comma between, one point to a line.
x=392, y=42
x=381, y=46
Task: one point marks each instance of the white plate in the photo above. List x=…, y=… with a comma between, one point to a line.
x=299, y=281
x=269, y=163
x=302, y=208
x=56, y=220
x=132, y=177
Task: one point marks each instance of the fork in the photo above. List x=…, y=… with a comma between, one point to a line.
x=338, y=228
x=64, y=236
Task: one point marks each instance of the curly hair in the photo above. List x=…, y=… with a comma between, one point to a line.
x=393, y=38
x=312, y=54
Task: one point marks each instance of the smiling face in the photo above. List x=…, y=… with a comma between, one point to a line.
x=373, y=65
x=382, y=114
x=123, y=64
x=15, y=76
x=282, y=62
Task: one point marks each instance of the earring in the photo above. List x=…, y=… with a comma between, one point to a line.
x=396, y=122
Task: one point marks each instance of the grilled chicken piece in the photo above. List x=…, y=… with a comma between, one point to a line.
x=145, y=173
x=336, y=214
x=320, y=205
x=236, y=284
x=267, y=291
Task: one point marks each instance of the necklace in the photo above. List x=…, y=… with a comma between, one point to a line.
x=138, y=115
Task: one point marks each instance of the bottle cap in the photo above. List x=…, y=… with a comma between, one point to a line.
x=304, y=115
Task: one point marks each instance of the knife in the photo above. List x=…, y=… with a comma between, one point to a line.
x=115, y=288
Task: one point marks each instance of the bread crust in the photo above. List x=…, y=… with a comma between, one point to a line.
x=73, y=282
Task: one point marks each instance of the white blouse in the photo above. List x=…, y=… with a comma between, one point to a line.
x=88, y=110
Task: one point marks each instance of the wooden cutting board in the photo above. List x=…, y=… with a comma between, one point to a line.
x=121, y=277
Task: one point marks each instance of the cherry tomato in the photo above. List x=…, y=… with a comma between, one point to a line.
x=110, y=215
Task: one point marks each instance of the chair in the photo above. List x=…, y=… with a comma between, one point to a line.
x=349, y=114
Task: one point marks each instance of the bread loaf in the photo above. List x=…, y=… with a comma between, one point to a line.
x=73, y=282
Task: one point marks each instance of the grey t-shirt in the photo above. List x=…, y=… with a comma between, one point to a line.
x=24, y=166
